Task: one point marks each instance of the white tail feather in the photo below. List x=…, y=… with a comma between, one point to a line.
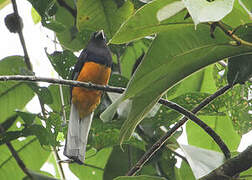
x=77, y=135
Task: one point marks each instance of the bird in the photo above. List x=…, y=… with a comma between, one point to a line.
x=93, y=65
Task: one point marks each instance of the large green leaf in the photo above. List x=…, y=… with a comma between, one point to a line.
x=13, y=95
x=186, y=172
x=29, y=150
x=239, y=69
x=238, y=15
x=144, y=22
x=167, y=62
x=98, y=14
x=70, y=37
x=221, y=125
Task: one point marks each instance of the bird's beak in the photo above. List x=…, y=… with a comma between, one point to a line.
x=100, y=35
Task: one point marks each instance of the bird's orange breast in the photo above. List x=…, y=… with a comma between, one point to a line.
x=86, y=100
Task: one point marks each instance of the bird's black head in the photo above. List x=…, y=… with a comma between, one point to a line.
x=97, y=49
x=99, y=35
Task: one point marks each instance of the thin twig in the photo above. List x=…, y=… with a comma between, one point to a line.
x=179, y=155
x=21, y=37
x=62, y=81
x=232, y=35
x=62, y=104
x=69, y=161
x=148, y=154
x=16, y=156
x=59, y=166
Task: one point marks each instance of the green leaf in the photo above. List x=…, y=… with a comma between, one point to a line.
x=166, y=63
x=27, y=117
x=98, y=14
x=31, y=153
x=95, y=165
x=238, y=15
x=56, y=26
x=239, y=69
x=202, y=161
x=142, y=177
x=38, y=176
x=43, y=93
x=104, y=135
x=13, y=95
x=112, y=168
x=9, y=122
x=3, y=3
x=44, y=136
x=131, y=54
x=142, y=23
x=238, y=106
x=57, y=105
x=118, y=80
x=63, y=62
x=70, y=38
x=186, y=172
x=44, y=7
x=204, y=11
x=221, y=125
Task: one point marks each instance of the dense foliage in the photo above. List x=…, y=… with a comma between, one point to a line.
x=179, y=62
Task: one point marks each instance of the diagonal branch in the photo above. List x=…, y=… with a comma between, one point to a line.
x=16, y=156
x=155, y=147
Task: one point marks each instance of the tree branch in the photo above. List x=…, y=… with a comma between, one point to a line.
x=21, y=37
x=15, y=155
x=167, y=103
x=232, y=167
x=29, y=66
x=148, y=154
x=62, y=81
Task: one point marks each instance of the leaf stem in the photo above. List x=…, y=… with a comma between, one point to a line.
x=232, y=35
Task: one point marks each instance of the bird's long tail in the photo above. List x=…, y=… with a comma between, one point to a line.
x=77, y=135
